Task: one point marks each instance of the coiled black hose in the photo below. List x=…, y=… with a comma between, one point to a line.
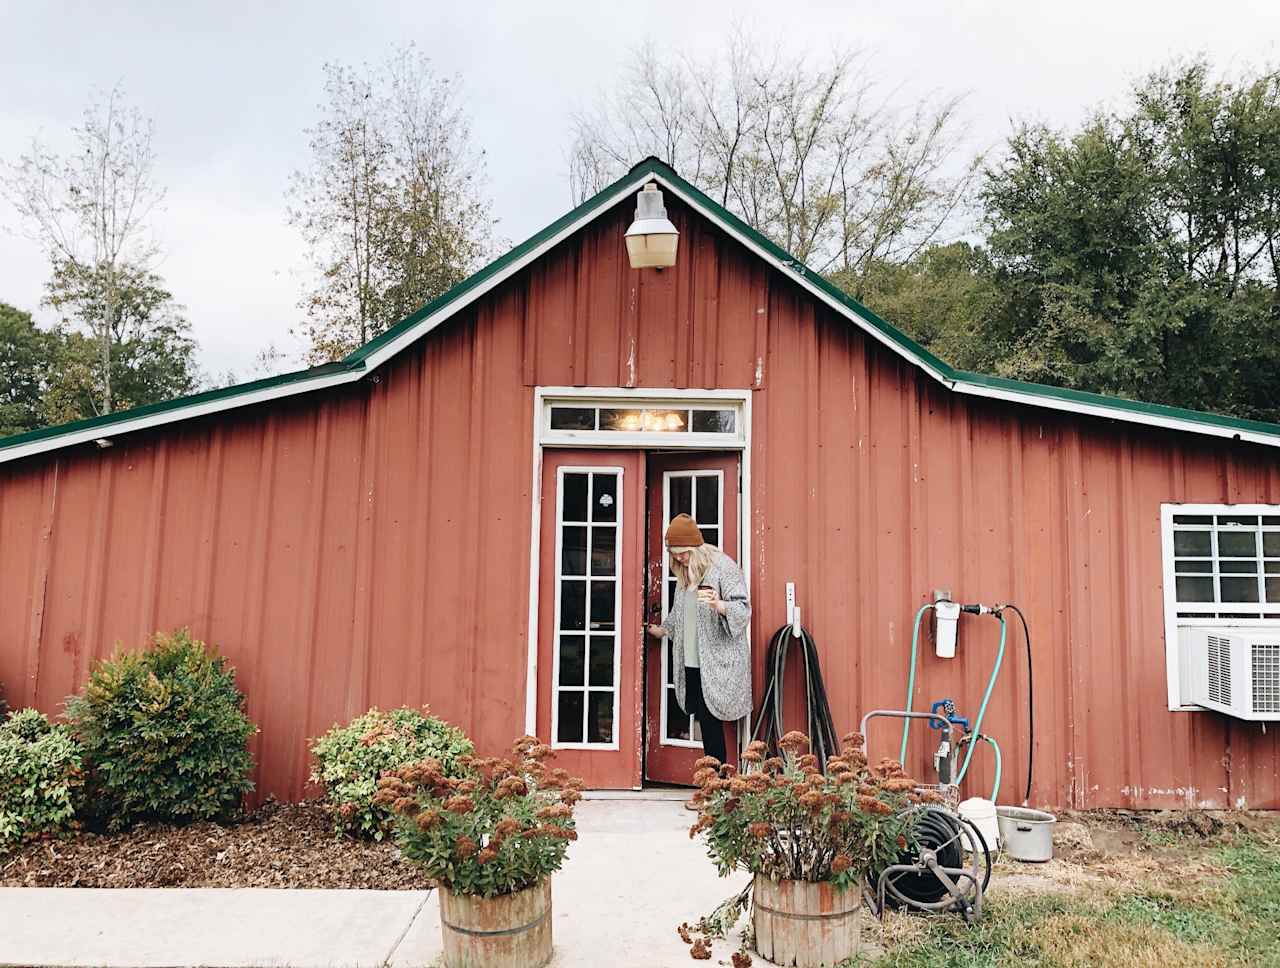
x=940, y=831
x=769, y=720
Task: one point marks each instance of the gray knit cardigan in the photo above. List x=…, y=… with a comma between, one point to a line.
x=723, y=653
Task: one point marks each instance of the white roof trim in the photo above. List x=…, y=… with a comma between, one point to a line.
x=1026, y=398
x=147, y=421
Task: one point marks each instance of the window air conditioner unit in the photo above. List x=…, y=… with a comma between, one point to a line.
x=1233, y=670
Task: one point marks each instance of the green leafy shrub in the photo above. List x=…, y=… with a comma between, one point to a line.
x=40, y=778
x=501, y=828
x=350, y=759
x=164, y=735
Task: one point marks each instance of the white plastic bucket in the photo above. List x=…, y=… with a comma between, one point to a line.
x=1026, y=834
x=981, y=812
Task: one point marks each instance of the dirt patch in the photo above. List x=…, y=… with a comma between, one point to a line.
x=278, y=845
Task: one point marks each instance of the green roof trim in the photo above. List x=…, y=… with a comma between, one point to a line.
x=364, y=358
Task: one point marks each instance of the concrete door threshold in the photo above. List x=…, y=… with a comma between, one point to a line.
x=655, y=793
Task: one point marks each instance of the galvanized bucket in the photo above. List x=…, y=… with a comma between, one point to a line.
x=1026, y=834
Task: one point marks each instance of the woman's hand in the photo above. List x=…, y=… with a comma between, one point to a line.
x=707, y=596
x=657, y=631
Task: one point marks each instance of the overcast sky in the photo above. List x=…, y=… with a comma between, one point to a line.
x=232, y=86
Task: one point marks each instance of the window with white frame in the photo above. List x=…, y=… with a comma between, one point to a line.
x=588, y=606
x=631, y=421
x=1222, y=568
x=1225, y=561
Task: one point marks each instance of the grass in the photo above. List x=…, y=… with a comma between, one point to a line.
x=1228, y=920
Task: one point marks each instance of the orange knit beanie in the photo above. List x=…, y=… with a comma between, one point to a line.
x=683, y=532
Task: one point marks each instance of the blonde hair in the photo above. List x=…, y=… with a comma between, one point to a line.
x=700, y=561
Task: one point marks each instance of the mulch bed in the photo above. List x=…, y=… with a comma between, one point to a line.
x=278, y=845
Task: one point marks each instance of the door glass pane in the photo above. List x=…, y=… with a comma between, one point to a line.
x=677, y=718
x=1237, y=544
x=1273, y=590
x=573, y=604
x=711, y=536
x=602, y=605
x=1248, y=521
x=1271, y=543
x=603, y=550
x=571, y=660
x=600, y=716
x=1192, y=564
x=1239, y=589
x=1195, y=589
x=569, y=726
x=575, y=497
x=573, y=550
x=681, y=495
x=708, y=501
x=604, y=501
x=602, y=660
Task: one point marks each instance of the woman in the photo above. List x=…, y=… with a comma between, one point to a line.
x=707, y=624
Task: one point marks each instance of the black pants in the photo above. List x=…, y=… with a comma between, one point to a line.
x=712, y=728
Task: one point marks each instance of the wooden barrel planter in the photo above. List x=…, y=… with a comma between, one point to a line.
x=508, y=931
x=805, y=924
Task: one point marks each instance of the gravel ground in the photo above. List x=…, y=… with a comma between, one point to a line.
x=278, y=845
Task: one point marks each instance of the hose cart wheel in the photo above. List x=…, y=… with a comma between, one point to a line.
x=933, y=874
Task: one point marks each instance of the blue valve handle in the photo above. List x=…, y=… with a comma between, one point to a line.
x=948, y=708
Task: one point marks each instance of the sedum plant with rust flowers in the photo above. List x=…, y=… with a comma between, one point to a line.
x=501, y=826
x=786, y=819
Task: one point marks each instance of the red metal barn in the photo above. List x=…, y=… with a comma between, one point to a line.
x=466, y=513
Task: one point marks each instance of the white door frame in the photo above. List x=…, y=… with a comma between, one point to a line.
x=543, y=438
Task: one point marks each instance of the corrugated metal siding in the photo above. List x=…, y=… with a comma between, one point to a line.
x=369, y=545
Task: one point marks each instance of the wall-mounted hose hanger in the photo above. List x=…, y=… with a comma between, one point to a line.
x=769, y=725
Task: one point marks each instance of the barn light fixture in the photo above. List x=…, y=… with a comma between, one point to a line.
x=652, y=239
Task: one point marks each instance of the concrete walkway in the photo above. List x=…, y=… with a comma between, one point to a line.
x=631, y=878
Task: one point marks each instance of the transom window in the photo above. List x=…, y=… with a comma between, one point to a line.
x=643, y=422
x=1226, y=564
x=699, y=494
x=646, y=420
x=588, y=582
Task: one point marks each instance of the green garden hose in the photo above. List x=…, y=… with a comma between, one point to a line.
x=911, y=679
x=986, y=696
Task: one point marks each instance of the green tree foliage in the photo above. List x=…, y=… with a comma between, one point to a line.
x=944, y=298
x=54, y=375
x=26, y=358
x=391, y=204
x=164, y=734
x=152, y=351
x=40, y=778
x=1140, y=255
